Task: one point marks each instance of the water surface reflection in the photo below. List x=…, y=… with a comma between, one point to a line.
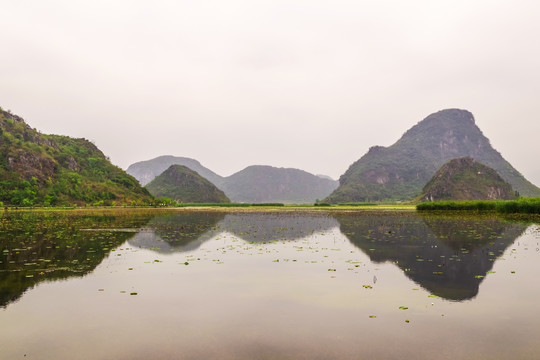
x=186, y=232
x=447, y=255
x=288, y=285
x=51, y=246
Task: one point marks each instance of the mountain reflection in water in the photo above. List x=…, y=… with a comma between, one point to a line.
x=178, y=232
x=186, y=232
x=317, y=284
x=51, y=246
x=447, y=255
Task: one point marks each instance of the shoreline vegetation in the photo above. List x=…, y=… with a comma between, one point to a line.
x=219, y=207
x=520, y=206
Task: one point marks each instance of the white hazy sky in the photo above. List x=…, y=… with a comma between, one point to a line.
x=290, y=83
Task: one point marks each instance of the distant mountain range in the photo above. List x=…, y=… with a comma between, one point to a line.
x=466, y=179
x=400, y=171
x=51, y=170
x=182, y=184
x=254, y=184
x=269, y=184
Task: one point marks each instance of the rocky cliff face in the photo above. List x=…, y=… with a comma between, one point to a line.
x=399, y=172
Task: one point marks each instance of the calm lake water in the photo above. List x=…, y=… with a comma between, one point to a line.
x=268, y=285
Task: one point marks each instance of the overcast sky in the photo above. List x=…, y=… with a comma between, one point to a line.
x=306, y=84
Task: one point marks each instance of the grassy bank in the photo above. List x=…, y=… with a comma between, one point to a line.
x=520, y=206
x=228, y=204
x=227, y=207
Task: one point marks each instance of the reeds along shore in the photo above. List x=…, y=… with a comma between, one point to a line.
x=522, y=206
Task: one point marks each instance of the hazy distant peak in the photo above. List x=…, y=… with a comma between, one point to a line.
x=263, y=183
x=167, y=159
x=322, y=176
x=172, y=157
x=255, y=183
x=146, y=171
x=272, y=168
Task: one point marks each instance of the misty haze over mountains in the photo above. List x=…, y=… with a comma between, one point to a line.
x=394, y=173
x=51, y=170
x=256, y=183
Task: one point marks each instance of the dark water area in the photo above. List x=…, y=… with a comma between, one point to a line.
x=184, y=284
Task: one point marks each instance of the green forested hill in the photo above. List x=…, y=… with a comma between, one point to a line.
x=50, y=170
x=182, y=184
x=466, y=179
x=400, y=171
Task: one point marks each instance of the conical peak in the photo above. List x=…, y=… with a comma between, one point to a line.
x=452, y=114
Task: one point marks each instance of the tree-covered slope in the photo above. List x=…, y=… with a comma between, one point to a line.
x=146, y=171
x=400, y=171
x=466, y=179
x=39, y=169
x=259, y=183
x=185, y=185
